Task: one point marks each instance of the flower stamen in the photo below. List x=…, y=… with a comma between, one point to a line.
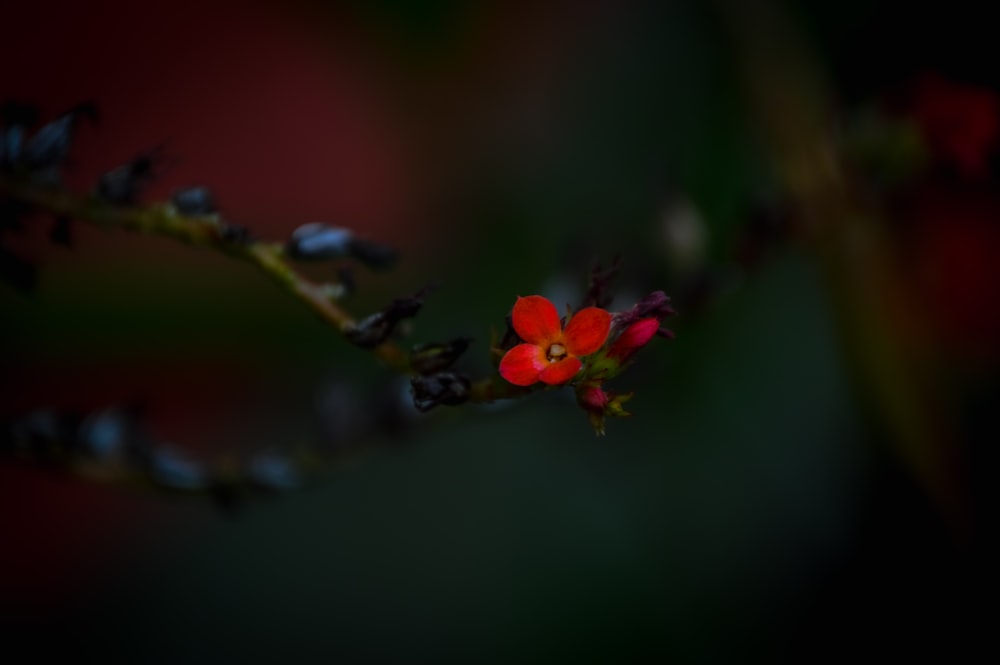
x=556, y=352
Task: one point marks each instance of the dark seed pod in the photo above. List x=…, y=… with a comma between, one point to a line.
x=45, y=434
x=318, y=242
x=36, y=431
x=123, y=184
x=194, y=201
x=375, y=329
x=432, y=358
x=449, y=388
x=50, y=145
x=11, y=142
x=169, y=469
x=105, y=435
x=16, y=119
x=273, y=472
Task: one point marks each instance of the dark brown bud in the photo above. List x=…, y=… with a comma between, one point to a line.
x=122, y=185
x=318, y=241
x=449, y=388
x=50, y=145
x=193, y=201
x=375, y=329
x=432, y=358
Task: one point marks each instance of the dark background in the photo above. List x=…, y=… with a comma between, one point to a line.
x=756, y=508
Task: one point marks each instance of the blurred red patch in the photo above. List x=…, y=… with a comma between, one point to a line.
x=960, y=123
x=956, y=262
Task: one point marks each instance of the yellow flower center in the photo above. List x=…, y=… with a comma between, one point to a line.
x=556, y=352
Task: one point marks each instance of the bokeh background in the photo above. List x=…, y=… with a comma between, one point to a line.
x=808, y=470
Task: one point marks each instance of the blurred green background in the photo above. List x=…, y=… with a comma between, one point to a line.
x=765, y=503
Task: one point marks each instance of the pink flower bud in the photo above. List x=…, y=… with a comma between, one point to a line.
x=633, y=338
x=593, y=398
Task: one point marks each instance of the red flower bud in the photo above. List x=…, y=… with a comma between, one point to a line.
x=594, y=401
x=633, y=338
x=593, y=398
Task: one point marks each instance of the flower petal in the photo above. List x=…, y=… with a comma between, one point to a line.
x=588, y=331
x=560, y=372
x=536, y=320
x=522, y=364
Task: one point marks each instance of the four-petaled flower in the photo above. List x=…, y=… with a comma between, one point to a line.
x=551, y=354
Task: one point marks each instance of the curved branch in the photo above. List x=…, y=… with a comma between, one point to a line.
x=203, y=231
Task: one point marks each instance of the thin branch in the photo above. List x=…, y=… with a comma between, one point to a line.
x=202, y=231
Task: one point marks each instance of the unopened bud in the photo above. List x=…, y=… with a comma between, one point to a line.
x=123, y=184
x=105, y=435
x=593, y=398
x=633, y=338
x=50, y=145
x=375, y=329
x=432, y=358
x=600, y=405
x=318, y=241
x=274, y=472
x=11, y=142
x=193, y=201
x=594, y=401
x=169, y=468
x=16, y=119
x=449, y=388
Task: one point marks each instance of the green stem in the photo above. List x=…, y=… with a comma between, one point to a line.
x=209, y=232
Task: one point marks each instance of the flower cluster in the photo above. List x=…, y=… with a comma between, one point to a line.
x=593, y=347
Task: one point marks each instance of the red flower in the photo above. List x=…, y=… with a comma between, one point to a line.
x=550, y=354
